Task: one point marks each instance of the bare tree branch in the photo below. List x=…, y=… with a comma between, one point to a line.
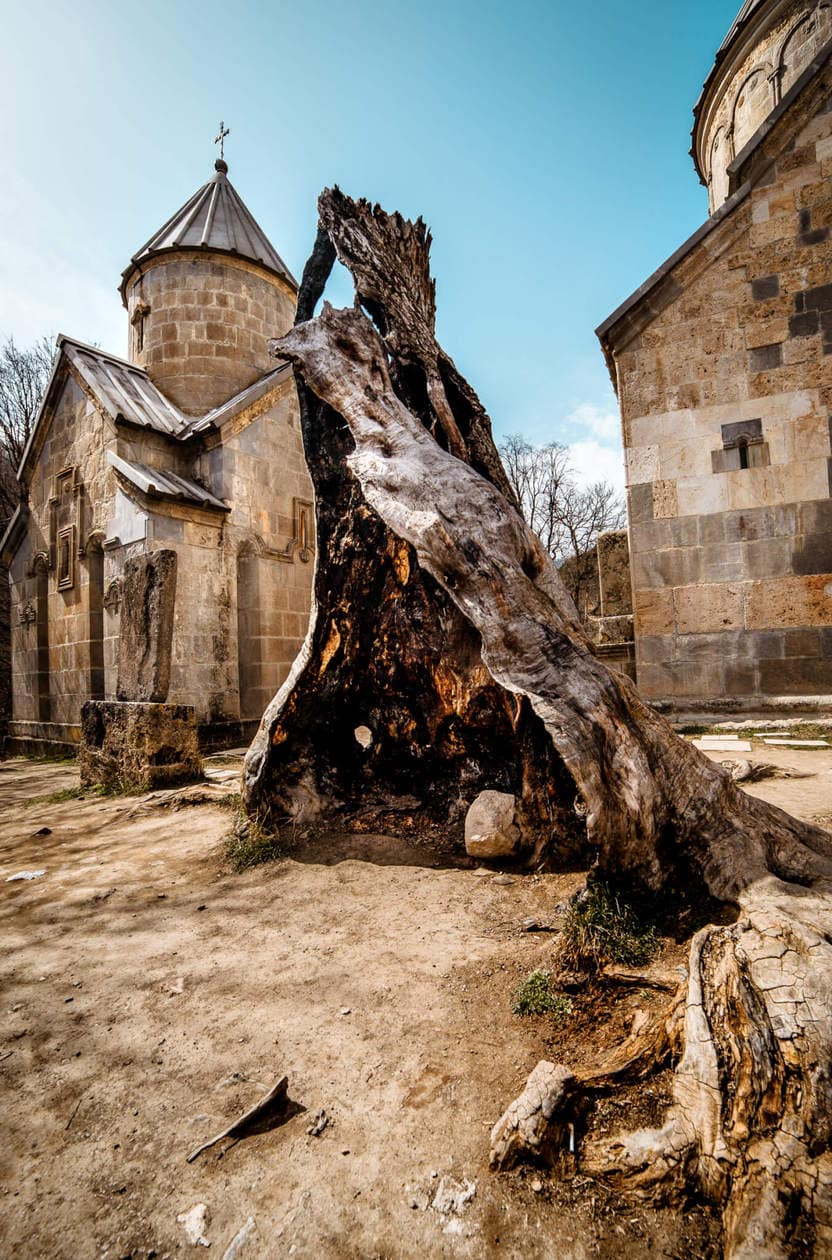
x=23, y=378
x=566, y=517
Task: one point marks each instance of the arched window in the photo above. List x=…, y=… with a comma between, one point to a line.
x=803, y=41
x=742, y=450
x=754, y=103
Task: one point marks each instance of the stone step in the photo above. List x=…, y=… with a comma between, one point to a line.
x=797, y=743
x=717, y=744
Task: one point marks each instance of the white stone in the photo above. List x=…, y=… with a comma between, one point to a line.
x=490, y=830
x=722, y=745
x=798, y=743
x=195, y=1222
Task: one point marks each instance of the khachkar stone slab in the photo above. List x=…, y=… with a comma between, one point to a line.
x=129, y=744
x=146, y=627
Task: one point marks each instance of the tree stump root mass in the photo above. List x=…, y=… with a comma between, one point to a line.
x=442, y=629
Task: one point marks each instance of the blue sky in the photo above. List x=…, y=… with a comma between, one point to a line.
x=546, y=144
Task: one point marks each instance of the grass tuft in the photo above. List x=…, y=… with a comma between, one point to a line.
x=250, y=843
x=535, y=996
x=602, y=927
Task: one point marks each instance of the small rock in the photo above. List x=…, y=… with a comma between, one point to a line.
x=318, y=1125
x=504, y=880
x=178, y=986
x=195, y=1222
x=10, y=879
x=42, y=831
x=490, y=830
x=452, y=1195
x=345, y=1010
x=537, y=1187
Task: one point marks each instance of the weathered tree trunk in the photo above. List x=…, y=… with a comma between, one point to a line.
x=443, y=627
x=388, y=650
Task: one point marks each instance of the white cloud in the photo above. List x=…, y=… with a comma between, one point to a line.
x=593, y=462
x=601, y=422
x=596, y=453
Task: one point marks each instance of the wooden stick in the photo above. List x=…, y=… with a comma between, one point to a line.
x=275, y=1094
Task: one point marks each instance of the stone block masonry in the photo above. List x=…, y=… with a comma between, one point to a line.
x=725, y=387
x=126, y=746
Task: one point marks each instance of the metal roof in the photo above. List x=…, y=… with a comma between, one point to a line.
x=216, y=218
x=124, y=390
x=738, y=25
x=125, y=394
x=226, y=411
x=739, y=21
x=162, y=483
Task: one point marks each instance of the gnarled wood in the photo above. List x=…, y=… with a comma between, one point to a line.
x=435, y=603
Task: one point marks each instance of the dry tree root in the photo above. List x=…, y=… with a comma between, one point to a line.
x=438, y=607
x=749, y=1031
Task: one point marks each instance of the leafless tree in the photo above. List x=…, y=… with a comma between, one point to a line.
x=23, y=377
x=566, y=517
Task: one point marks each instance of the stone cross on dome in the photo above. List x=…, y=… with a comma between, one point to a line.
x=219, y=138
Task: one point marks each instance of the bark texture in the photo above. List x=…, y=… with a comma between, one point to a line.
x=443, y=627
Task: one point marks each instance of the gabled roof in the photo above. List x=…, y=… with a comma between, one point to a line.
x=124, y=391
x=216, y=218
x=126, y=395
x=219, y=416
x=161, y=483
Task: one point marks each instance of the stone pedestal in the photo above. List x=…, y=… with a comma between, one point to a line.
x=131, y=744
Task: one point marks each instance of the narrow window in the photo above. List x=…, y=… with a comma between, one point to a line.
x=742, y=449
x=95, y=568
x=253, y=695
x=42, y=624
x=140, y=314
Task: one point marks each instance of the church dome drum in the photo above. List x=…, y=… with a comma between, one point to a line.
x=767, y=49
x=204, y=296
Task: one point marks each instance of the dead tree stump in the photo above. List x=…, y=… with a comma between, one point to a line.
x=442, y=627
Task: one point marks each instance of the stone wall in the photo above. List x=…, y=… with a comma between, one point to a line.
x=207, y=324
x=756, y=73
x=260, y=470
x=76, y=443
x=5, y=655
x=724, y=377
x=225, y=631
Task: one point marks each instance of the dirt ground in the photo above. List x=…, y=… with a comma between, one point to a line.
x=150, y=994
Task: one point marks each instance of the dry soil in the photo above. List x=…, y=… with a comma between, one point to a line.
x=150, y=994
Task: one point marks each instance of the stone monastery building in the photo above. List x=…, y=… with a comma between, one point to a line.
x=192, y=445
x=722, y=362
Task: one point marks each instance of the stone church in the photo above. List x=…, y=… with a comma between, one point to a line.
x=722, y=362
x=190, y=445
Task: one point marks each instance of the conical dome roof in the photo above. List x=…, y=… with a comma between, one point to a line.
x=216, y=218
